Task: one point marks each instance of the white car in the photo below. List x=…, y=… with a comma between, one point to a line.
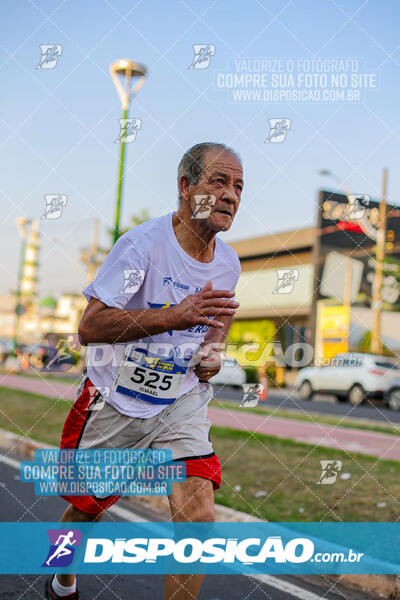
x=231, y=373
x=349, y=376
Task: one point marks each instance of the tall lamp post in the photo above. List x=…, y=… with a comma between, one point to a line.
x=23, y=225
x=123, y=73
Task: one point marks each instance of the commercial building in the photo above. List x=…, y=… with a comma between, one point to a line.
x=277, y=281
x=38, y=320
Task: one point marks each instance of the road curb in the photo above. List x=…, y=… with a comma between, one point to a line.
x=384, y=586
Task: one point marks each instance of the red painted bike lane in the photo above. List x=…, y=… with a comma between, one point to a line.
x=351, y=440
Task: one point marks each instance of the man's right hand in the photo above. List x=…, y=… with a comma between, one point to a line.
x=196, y=309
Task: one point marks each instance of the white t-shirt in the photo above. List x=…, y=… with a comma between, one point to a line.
x=148, y=268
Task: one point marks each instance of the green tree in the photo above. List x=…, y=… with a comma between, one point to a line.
x=142, y=217
x=246, y=332
x=48, y=302
x=243, y=332
x=85, y=253
x=364, y=345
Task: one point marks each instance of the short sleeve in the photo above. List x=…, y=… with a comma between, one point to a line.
x=121, y=274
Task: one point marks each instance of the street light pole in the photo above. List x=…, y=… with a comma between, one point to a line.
x=22, y=224
x=376, y=340
x=120, y=180
x=128, y=69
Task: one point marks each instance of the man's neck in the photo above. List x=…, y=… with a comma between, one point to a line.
x=194, y=237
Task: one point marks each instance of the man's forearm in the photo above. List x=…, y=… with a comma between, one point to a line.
x=210, y=350
x=102, y=324
x=115, y=326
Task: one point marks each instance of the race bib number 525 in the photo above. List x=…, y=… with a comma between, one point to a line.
x=149, y=377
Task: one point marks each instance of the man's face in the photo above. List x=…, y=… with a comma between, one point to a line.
x=222, y=177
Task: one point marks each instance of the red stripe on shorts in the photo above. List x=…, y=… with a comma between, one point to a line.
x=209, y=468
x=71, y=435
x=76, y=419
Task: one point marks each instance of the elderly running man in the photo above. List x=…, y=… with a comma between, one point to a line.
x=170, y=281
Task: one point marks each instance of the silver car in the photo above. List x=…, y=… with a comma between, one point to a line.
x=350, y=376
x=392, y=394
x=231, y=373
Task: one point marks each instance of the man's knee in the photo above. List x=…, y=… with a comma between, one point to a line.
x=76, y=515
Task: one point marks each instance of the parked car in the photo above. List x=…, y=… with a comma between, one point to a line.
x=6, y=348
x=392, y=394
x=231, y=373
x=349, y=376
x=39, y=354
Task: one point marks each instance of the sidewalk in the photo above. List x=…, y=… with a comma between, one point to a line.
x=331, y=436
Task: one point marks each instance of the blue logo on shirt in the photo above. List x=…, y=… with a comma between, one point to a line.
x=175, y=284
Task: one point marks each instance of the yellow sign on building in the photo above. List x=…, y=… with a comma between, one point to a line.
x=333, y=323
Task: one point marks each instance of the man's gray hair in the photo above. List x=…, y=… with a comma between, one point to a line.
x=191, y=165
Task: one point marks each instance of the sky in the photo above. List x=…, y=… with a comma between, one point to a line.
x=59, y=126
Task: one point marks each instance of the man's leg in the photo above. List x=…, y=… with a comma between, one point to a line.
x=191, y=500
x=74, y=515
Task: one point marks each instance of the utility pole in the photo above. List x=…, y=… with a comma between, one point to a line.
x=376, y=341
x=91, y=257
x=347, y=296
x=347, y=283
x=93, y=262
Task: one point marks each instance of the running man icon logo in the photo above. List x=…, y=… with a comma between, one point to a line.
x=61, y=357
x=50, y=55
x=251, y=394
x=133, y=280
x=330, y=471
x=204, y=204
x=357, y=205
x=55, y=204
x=202, y=56
x=62, y=547
x=97, y=397
x=278, y=129
x=286, y=281
x=128, y=130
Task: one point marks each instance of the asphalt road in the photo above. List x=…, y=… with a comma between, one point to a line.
x=289, y=400
x=19, y=503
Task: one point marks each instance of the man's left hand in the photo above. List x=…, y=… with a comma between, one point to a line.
x=210, y=364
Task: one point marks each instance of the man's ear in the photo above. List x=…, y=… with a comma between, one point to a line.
x=184, y=187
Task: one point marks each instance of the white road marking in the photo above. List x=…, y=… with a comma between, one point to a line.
x=284, y=586
x=289, y=588
x=10, y=461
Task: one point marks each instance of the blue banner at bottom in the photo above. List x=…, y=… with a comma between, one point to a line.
x=214, y=548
